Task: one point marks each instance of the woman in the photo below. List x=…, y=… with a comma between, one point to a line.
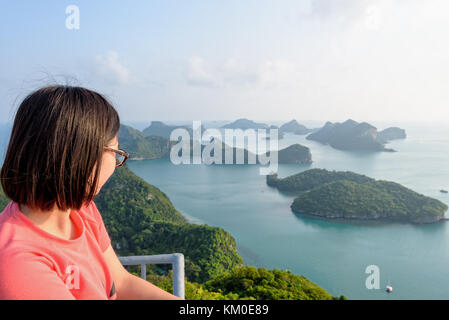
x=53, y=242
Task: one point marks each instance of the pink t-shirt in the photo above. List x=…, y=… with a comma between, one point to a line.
x=35, y=264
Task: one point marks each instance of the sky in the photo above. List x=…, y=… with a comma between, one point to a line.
x=169, y=60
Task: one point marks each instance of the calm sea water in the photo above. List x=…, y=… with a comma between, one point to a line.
x=414, y=259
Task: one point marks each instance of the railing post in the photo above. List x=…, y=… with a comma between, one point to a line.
x=143, y=271
x=178, y=275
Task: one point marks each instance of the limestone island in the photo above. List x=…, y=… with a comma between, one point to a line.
x=295, y=153
x=351, y=135
x=294, y=127
x=160, y=129
x=245, y=124
x=392, y=133
x=348, y=195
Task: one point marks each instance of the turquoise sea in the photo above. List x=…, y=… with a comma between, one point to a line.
x=414, y=259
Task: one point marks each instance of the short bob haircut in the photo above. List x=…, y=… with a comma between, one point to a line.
x=56, y=143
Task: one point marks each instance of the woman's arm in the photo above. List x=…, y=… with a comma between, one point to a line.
x=129, y=286
x=138, y=289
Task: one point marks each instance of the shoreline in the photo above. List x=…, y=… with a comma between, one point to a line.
x=367, y=220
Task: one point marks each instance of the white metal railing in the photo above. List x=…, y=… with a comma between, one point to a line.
x=175, y=259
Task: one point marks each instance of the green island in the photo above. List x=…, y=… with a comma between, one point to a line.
x=351, y=135
x=294, y=127
x=348, y=195
x=142, y=147
x=295, y=153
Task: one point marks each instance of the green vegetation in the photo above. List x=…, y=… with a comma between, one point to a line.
x=312, y=178
x=141, y=147
x=158, y=128
x=3, y=200
x=193, y=290
x=141, y=220
x=251, y=283
x=295, y=153
x=208, y=251
x=334, y=194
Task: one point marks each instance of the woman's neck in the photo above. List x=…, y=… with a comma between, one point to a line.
x=55, y=222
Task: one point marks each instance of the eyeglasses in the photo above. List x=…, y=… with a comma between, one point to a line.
x=120, y=156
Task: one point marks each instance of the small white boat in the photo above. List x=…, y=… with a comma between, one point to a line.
x=389, y=289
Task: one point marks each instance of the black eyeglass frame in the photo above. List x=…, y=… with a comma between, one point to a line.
x=120, y=152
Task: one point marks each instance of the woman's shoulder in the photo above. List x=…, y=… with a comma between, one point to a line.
x=16, y=247
x=10, y=228
x=14, y=233
x=90, y=214
x=6, y=213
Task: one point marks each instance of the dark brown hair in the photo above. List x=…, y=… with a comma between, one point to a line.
x=56, y=143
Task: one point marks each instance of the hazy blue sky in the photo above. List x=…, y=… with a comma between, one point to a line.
x=259, y=59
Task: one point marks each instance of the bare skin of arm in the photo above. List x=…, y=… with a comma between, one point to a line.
x=130, y=287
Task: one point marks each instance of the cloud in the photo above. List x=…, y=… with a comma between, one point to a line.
x=199, y=73
x=237, y=72
x=278, y=73
x=363, y=59
x=269, y=73
x=111, y=68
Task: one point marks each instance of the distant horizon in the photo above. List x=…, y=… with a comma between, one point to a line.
x=267, y=121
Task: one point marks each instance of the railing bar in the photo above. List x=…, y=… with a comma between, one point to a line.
x=175, y=259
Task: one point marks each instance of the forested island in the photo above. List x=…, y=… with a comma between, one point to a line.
x=245, y=124
x=294, y=127
x=295, y=153
x=160, y=129
x=392, y=133
x=141, y=147
x=348, y=195
x=351, y=135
